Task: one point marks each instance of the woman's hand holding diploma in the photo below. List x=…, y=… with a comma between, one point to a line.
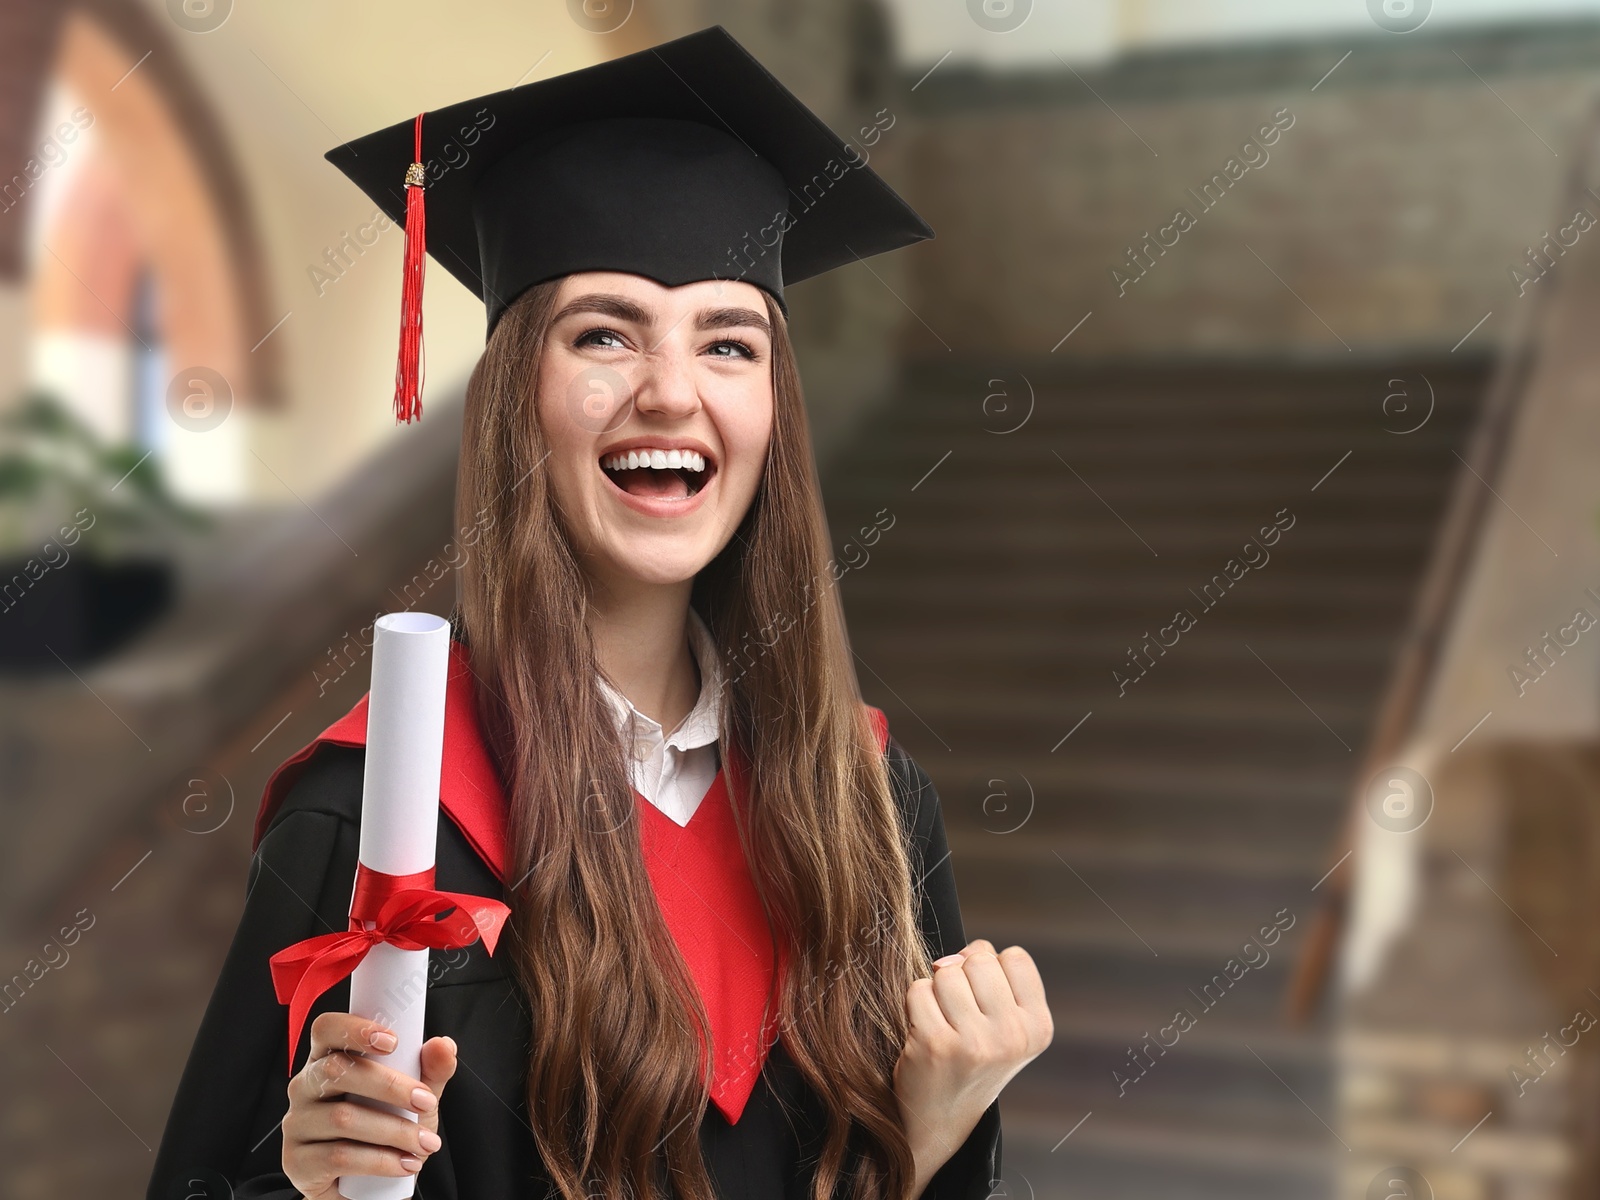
x=979, y=1020
x=327, y=1134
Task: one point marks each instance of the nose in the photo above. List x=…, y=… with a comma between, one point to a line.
x=666, y=383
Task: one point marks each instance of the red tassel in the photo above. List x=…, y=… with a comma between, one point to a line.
x=409, y=371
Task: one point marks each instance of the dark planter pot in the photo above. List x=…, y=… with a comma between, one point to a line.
x=81, y=610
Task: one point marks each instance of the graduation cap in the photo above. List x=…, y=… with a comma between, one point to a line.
x=686, y=161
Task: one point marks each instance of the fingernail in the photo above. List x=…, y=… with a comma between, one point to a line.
x=423, y=1099
x=948, y=960
x=429, y=1139
x=381, y=1041
x=411, y=1162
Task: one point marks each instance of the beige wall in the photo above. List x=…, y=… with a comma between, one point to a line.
x=1540, y=548
x=289, y=81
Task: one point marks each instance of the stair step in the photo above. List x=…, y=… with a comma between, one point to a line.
x=1209, y=917
x=1183, y=678
x=1198, y=940
x=1105, y=802
x=1257, y=704
x=1118, y=1156
x=1215, y=440
x=1196, y=549
x=1118, y=781
x=1218, y=1032
x=1246, y=1088
x=1301, y=1138
x=1068, y=586
x=1148, y=990
x=1021, y=647
x=1326, y=741
x=1214, y=478
x=979, y=851
x=1249, y=409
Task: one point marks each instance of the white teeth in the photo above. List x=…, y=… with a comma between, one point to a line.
x=659, y=459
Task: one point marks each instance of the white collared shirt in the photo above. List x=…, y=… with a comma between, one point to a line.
x=673, y=771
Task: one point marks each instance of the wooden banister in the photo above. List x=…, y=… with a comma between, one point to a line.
x=1460, y=535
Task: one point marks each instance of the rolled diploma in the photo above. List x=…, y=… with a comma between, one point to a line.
x=399, y=830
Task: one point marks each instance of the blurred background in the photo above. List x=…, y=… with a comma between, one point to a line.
x=1219, y=494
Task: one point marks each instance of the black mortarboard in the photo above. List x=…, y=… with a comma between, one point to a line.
x=682, y=162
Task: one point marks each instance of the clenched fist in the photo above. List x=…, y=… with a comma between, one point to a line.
x=979, y=1020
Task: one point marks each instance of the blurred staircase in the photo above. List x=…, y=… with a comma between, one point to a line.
x=1136, y=850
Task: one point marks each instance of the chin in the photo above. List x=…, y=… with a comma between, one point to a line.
x=640, y=561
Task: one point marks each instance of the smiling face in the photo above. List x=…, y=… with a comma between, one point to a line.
x=656, y=404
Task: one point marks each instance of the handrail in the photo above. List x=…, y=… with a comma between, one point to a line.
x=1453, y=556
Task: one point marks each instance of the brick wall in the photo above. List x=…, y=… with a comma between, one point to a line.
x=1384, y=216
x=27, y=33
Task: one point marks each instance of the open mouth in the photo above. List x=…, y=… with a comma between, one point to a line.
x=659, y=474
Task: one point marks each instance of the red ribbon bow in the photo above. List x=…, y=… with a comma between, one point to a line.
x=405, y=910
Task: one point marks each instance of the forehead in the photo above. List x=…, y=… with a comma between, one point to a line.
x=659, y=299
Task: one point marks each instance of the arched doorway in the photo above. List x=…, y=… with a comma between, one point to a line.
x=139, y=261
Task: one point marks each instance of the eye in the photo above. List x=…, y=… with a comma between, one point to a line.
x=586, y=338
x=745, y=350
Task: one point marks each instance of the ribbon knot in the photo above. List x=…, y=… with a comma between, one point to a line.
x=406, y=913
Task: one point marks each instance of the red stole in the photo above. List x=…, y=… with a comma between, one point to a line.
x=699, y=872
x=702, y=882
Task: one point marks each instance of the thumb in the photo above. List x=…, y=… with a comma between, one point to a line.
x=438, y=1066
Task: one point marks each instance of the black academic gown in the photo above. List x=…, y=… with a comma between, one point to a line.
x=222, y=1138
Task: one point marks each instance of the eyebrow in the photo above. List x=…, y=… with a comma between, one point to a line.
x=623, y=309
x=729, y=318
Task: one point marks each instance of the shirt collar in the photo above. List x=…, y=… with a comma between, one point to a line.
x=701, y=727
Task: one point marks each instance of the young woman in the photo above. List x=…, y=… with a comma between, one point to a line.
x=735, y=964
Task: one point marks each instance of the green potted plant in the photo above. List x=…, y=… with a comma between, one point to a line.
x=85, y=527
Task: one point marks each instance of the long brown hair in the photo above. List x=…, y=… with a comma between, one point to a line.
x=617, y=1085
